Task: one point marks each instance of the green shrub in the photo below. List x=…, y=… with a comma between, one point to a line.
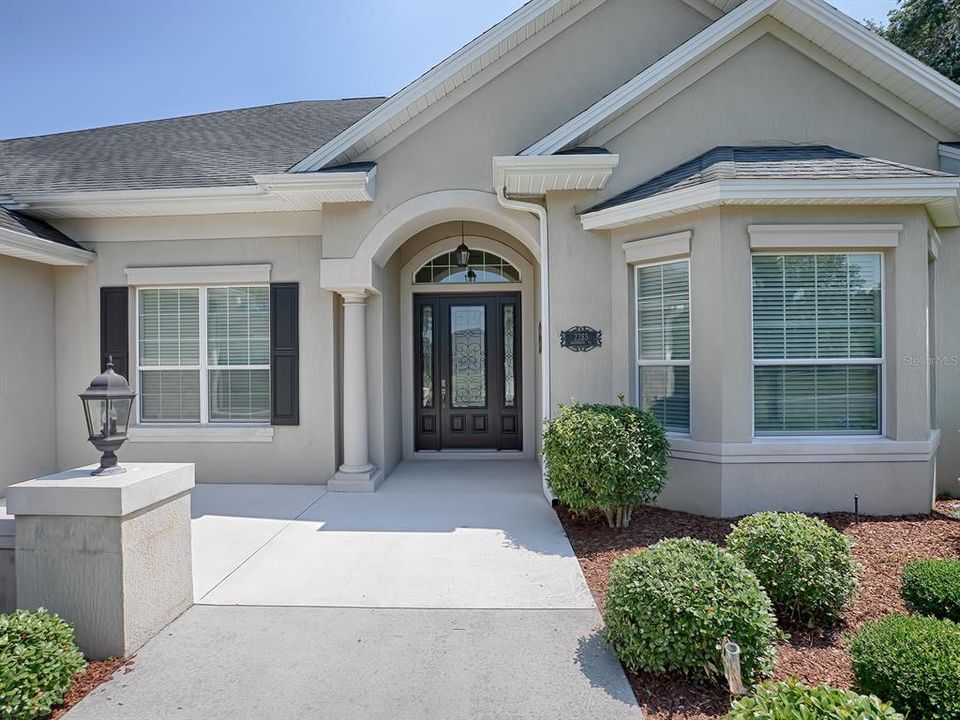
x=932, y=587
x=38, y=659
x=912, y=662
x=670, y=607
x=792, y=700
x=609, y=457
x=804, y=565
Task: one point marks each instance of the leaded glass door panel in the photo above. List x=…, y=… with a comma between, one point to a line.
x=467, y=367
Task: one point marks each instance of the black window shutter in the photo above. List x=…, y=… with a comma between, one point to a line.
x=284, y=354
x=115, y=329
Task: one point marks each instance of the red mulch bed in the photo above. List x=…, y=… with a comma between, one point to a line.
x=97, y=673
x=882, y=545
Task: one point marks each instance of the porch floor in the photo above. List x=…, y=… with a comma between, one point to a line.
x=436, y=534
x=451, y=592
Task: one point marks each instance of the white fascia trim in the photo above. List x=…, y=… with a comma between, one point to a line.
x=419, y=91
x=200, y=434
x=716, y=35
x=906, y=191
x=645, y=82
x=28, y=247
x=948, y=151
x=661, y=247
x=273, y=193
x=829, y=449
x=536, y=176
x=199, y=275
x=764, y=237
x=357, y=185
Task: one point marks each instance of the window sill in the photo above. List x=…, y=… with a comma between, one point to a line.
x=805, y=449
x=201, y=433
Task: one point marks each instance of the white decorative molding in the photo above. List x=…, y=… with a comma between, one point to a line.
x=940, y=195
x=661, y=247
x=521, y=176
x=800, y=449
x=281, y=192
x=824, y=236
x=200, y=434
x=864, y=51
x=199, y=275
x=28, y=247
x=951, y=152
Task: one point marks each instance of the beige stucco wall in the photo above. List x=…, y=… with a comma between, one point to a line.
x=27, y=379
x=946, y=359
x=767, y=94
x=517, y=107
x=299, y=454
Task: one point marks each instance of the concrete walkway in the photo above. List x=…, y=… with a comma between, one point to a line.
x=451, y=592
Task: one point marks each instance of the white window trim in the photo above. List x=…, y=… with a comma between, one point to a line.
x=224, y=430
x=815, y=436
x=810, y=237
x=198, y=275
x=195, y=433
x=638, y=362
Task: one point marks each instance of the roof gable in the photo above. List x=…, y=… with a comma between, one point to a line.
x=910, y=81
x=535, y=21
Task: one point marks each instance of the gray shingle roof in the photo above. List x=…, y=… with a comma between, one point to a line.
x=819, y=162
x=11, y=220
x=209, y=150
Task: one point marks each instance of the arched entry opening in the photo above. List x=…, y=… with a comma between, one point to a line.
x=468, y=341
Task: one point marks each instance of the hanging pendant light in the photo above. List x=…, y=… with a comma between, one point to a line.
x=462, y=253
x=471, y=275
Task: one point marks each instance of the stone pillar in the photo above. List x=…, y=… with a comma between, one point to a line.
x=356, y=474
x=111, y=554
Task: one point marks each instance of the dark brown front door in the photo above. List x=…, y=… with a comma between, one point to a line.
x=467, y=385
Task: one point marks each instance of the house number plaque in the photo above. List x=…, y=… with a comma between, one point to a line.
x=581, y=338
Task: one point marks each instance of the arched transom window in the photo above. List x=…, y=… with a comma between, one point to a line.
x=484, y=267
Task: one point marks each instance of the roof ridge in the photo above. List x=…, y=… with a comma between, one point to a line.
x=184, y=117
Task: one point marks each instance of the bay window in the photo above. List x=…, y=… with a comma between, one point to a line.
x=663, y=341
x=817, y=343
x=203, y=354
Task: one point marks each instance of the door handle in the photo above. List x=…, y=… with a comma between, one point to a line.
x=443, y=392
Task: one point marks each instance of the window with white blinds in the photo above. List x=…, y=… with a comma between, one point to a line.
x=663, y=341
x=817, y=343
x=203, y=354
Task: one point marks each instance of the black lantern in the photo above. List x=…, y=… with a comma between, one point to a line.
x=471, y=275
x=462, y=253
x=106, y=404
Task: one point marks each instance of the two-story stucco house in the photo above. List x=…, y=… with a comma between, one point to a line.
x=754, y=204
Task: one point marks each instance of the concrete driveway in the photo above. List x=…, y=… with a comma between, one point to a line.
x=451, y=592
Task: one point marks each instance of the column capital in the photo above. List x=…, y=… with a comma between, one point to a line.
x=353, y=295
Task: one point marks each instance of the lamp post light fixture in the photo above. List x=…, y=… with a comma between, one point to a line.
x=106, y=405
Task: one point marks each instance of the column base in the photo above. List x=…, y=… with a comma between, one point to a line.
x=363, y=481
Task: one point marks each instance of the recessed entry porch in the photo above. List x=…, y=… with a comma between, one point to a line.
x=446, y=534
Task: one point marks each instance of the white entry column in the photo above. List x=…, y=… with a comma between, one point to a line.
x=356, y=474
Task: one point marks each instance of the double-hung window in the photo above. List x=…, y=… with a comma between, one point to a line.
x=663, y=341
x=203, y=354
x=817, y=343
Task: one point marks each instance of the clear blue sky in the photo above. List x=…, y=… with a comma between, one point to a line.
x=72, y=64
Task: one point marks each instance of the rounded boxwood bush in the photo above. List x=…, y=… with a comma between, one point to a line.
x=670, y=607
x=609, y=457
x=804, y=565
x=932, y=587
x=912, y=662
x=38, y=659
x=793, y=700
